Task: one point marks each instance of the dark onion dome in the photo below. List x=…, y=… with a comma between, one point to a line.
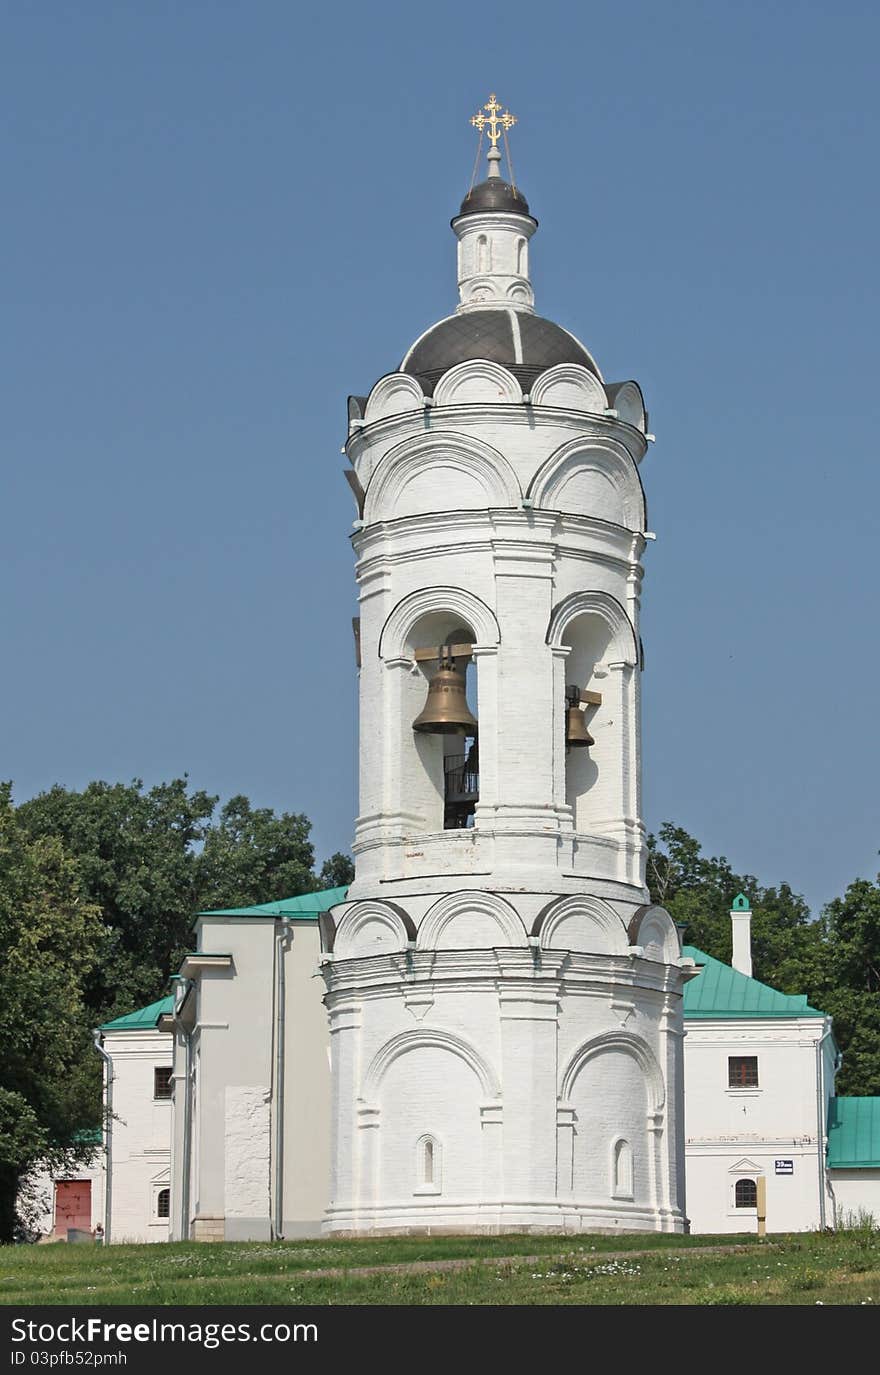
x=494, y=194
x=523, y=343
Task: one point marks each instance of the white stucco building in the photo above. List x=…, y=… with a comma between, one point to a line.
x=759, y=1077
x=137, y=1050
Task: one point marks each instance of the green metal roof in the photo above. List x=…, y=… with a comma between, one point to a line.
x=144, y=1019
x=723, y=992
x=304, y=906
x=854, y=1133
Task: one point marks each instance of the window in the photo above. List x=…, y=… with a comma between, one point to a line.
x=742, y=1071
x=622, y=1183
x=162, y=1081
x=746, y=1193
x=163, y=1203
x=429, y=1162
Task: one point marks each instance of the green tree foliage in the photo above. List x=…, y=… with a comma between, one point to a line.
x=51, y=939
x=251, y=855
x=850, y=983
x=137, y=853
x=337, y=871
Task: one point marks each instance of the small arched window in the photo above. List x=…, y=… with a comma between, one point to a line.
x=746, y=1193
x=622, y=1169
x=428, y=1165
x=163, y=1203
x=522, y=261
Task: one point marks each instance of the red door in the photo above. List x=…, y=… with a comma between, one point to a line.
x=73, y=1205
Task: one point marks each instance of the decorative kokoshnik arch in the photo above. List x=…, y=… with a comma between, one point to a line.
x=623, y=646
x=630, y=1045
x=427, y=600
x=483, y=468
x=427, y=1037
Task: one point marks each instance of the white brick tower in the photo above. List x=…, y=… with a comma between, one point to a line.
x=505, y=1004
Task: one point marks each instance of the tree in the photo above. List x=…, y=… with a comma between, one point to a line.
x=51, y=941
x=137, y=856
x=337, y=871
x=848, y=983
x=251, y=855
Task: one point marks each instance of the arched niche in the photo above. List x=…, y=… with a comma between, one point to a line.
x=426, y=1084
x=439, y=471
x=372, y=928
x=582, y=923
x=600, y=481
x=653, y=929
x=613, y=1088
x=571, y=386
x=470, y=920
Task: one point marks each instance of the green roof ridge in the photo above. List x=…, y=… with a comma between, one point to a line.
x=143, y=1018
x=722, y=991
x=302, y=905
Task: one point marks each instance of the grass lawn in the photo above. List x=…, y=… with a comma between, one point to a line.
x=839, y=1268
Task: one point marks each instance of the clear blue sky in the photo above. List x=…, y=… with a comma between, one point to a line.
x=221, y=218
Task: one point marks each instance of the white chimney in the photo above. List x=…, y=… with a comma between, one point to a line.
x=741, y=920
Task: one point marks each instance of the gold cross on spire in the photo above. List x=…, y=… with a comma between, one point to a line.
x=493, y=122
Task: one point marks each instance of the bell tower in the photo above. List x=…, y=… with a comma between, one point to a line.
x=504, y=1002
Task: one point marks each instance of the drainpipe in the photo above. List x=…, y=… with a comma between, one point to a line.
x=186, y=1162
x=108, y=1130
x=820, y=1120
x=282, y=936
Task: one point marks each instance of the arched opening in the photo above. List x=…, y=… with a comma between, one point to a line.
x=439, y=754
x=589, y=771
x=484, y=257
x=163, y=1203
x=522, y=258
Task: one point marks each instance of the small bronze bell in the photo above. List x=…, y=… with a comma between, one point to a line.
x=576, y=733
x=446, y=711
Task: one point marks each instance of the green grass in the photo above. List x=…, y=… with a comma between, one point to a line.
x=840, y=1268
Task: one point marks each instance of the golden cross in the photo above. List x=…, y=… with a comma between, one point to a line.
x=494, y=122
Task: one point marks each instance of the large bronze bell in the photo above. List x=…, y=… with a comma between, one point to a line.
x=446, y=711
x=576, y=733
